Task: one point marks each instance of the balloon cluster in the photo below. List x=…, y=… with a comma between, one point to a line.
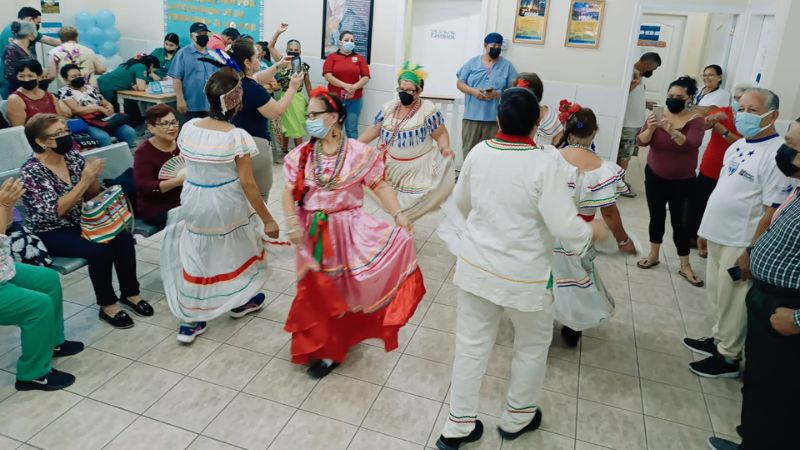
x=97, y=31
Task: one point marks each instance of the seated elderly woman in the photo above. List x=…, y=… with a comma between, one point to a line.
x=30, y=298
x=18, y=49
x=515, y=203
x=29, y=99
x=85, y=100
x=156, y=196
x=57, y=181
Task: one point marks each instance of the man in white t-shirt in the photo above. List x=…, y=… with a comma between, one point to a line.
x=71, y=52
x=635, y=112
x=750, y=189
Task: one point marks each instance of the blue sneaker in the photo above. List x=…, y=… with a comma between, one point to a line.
x=253, y=305
x=189, y=331
x=715, y=443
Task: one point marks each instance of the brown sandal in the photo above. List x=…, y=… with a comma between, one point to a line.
x=646, y=263
x=694, y=281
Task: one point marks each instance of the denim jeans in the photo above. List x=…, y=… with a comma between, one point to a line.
x=123, y=133
x=353, y=108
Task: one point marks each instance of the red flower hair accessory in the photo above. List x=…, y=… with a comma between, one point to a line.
x=322, y=91
x=567, y=110
x=523, y=83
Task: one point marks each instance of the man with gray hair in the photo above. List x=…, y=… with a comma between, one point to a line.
x=749, y=190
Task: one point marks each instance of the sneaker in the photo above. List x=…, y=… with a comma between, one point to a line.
x=716, y=366
x=532, y=426
x=189, y=331
x=320, y=369
x=253, y=305
x=53, y=381
x=704, y=346
x=68, y=348
x=629, y=193
x=454, y=443
x=715, y=443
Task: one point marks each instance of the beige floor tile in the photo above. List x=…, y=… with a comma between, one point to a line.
x=540, y=439
x=7, y=381
x=278, y=280
x=433, y=345
x=698, y=324
x=81, y=293
x=618, y=329
x=342, y=398
x=177, y=357
x=421, y=377
x=147, y=434
x=283, y=382
x=163, y=317
x=88, y=425
x=610, y=427
x=675, y=404
x=8, y=444
x=369, y=363
x=447, y=295
x=249, y=422
x=137, y=387
x=725, y=414
x=610, y=388
x=222, y=328
x=369, y=440
x=580, y=445
x=309, y=431
x=559, y=413
x=419, y=313
x=278, y=310
x=26, y=413
x=722, y=387
x=433, y=269
x=70, y=309
x=616, y=357
x=440, y=317
x=260, y=335
x=403, y=338
x=230, y=366
x=490, y=441
x=668, y=369
x=562, y=376
x=204, y=443
x=191, y=404
x=665, y=435
x=653, y=294
x=560, y=350
x=86, y=327
x=133, y=342
x=402, y=415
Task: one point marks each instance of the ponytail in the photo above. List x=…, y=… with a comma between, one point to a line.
x=300, y=189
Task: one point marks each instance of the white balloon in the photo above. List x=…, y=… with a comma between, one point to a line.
x=113, y=62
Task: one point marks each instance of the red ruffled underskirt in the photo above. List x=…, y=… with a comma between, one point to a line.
x=322, y=328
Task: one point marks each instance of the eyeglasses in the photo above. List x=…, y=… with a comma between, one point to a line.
x=407, y=91
x=313, y=115
x=166, y=125
x=60, y=133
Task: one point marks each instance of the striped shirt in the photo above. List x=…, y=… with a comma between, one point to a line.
x=549, y=127
x=775, y=259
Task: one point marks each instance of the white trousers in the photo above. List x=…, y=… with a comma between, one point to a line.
x=476, y=330
x=728, y=297
x=262, y=166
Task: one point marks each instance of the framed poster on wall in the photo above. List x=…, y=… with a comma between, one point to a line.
x=247, y=16
x=584, y=23
x=530, y=25
x=354, y=16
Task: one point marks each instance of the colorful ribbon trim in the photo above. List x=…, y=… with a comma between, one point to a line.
x=318, y=231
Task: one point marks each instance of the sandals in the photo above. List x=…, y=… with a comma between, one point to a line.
x=693, y=280
x=646, y=263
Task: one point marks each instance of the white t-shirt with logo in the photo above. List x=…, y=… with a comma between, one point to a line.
x=749, y=181
x=636, y=111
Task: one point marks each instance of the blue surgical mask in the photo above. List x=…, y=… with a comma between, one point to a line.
x=735, y=106
x=316, y=128
x=348, y=46
x=749, y=124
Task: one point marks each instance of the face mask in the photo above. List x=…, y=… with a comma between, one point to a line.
x=38, y=26
x=202, y=40
x=676, y=105
x=348, y=46
x=28, y=85
x=170, y=51
x=749, y=124
x=78, y=82
x=647, y=74
x=735, y=106
x=316, y=128
x=494, y=52
x=63, y=144
x=785, y=160
x=406, y=98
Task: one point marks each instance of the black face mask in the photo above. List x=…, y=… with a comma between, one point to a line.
x=78, y=82
x=28, y=85
x=785, y=160
x=202, y=40
x=647, y=74
x=406, y=98
x=38, y=26
x=63, y=144
x=676, y=105
x=494, y=52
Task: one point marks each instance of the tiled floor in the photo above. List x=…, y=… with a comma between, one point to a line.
x=626, y=387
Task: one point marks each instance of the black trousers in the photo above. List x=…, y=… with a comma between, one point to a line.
x=703, y=187
x=770, y=394
x=119, y=253
x=661, y=192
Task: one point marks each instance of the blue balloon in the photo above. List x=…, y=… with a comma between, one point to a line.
x=112, y=34
x=108, y=49
x=84, y=21
x=105, y=19
x=95, y=36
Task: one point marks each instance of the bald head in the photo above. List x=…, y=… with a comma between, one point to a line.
x=760, y=100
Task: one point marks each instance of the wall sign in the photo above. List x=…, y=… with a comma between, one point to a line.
x=585, y=23
x=443, y=34
x=244, y=15
x=649, y=36
x=530, y=25
x=354, y=16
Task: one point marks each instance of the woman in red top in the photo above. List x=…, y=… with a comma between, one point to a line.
x=723, y=126
x=154, y=196
x=347, y=73
x=29, y=99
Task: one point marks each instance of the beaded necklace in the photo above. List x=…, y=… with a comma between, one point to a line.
x=316, y=165
x=399, y=125
x=585, y=147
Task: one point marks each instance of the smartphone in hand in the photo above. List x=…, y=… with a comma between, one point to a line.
x=735, y=272
x=658, y=111
x=297, y=63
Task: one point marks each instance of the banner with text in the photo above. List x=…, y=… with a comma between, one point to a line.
x=244, y=15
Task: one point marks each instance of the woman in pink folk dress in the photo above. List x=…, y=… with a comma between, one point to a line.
x=357, y=275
